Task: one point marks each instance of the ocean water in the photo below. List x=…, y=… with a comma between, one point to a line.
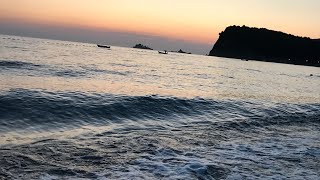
x=75, y=111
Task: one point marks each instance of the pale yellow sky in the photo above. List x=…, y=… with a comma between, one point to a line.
x=198, y=21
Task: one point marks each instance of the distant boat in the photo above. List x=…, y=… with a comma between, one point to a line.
x=163, y=52
x=103, y=46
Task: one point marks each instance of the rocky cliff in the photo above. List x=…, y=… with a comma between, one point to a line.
x=266, y=45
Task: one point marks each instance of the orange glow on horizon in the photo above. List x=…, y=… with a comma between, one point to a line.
x=184, y=20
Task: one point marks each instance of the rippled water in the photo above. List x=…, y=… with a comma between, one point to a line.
x=72, y=110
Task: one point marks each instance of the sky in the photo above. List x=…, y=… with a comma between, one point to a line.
x=191, y=25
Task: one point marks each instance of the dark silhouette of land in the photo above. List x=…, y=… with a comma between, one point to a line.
x=181, y=51
x=141, y=46
x=266, y=45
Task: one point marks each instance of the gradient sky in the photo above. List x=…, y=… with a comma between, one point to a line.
x=187, y=23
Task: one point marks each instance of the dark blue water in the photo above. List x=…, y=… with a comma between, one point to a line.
x=71, y=110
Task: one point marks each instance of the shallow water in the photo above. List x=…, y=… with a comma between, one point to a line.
x=72, y=110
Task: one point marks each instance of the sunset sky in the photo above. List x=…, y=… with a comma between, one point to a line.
x=184, y=22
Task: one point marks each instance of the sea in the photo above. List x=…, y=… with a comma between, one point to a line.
x=72, y=110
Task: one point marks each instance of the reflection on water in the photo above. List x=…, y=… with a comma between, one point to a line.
x=68, y=66
x=72, y=110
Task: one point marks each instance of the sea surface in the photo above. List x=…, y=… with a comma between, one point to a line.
x=75, y=111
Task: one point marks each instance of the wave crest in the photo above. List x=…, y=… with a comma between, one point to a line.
x=23, y=108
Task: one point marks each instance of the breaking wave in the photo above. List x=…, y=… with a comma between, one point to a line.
x=24, y=108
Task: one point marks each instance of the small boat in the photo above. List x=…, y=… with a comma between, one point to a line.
x=162, y=52
x=103, y=46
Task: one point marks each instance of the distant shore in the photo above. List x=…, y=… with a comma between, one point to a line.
x=141, y=46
